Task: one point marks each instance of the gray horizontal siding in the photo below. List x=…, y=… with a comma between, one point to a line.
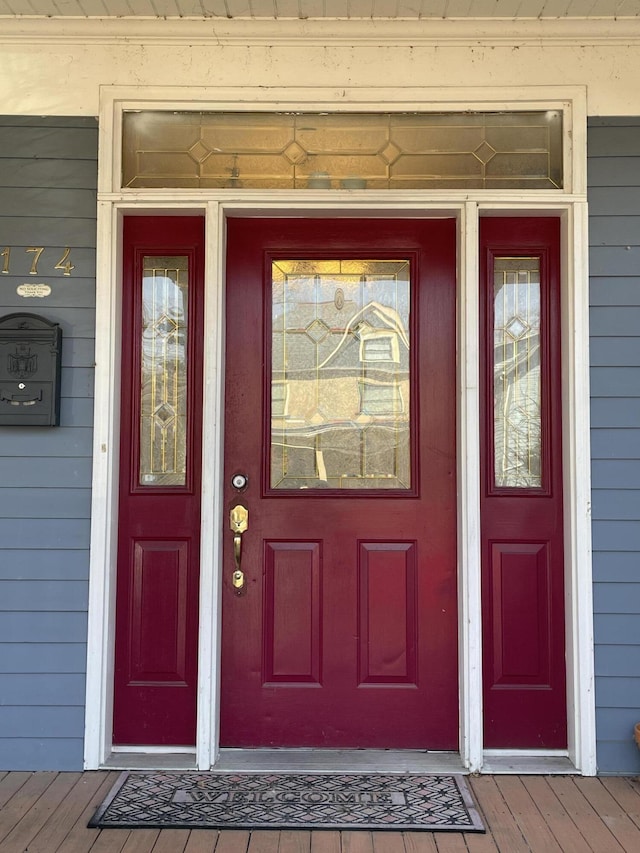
x=615, y=566
x=611, y=139
x=617, y=503
x=71, y=231
x=621, y=203
x=65, y=441
x=614, y=351
x=615, y=291
x=29, y=753
x=48, y=202
x=42, y=473
x=616, y=597
x=615, y=383
x=609, y=661
x=618, y=536
x=64, y=627
x=611, y=321
x=44, y=658
x=614, y=208
x=615, y=444
x=43, y=722
x=48, y=171
x=624, y=259
x=65, y=533
x=614, y=172
x=59, y=564
x=34, y=596
x=75, y=322
x=33, y=689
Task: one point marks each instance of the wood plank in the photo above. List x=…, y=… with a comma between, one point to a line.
x=626, y=793
x=140, y=841
x=34, y=820
x=23, y=800
x=171, y=841
x=480, y=842
x=525, y=811
x=419, y=842
x=559, y=822
x=294, y=841
x=388, y=842
x=356, y=842
x=583, y=815
x=109, y=841
x=325, y=842
x=11, y=783
x=233, y=841
x=202, y=841
x=264, y=841
x=80, y=838
x=609, y=811
x=450, y=842
x=56, y=828
x=498, y=817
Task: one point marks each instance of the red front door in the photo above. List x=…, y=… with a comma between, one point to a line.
x=340, y=629
x=159, y=506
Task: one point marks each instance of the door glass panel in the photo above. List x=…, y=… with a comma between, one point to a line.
x=340, y=374
x=516, y=373
x=163, y=380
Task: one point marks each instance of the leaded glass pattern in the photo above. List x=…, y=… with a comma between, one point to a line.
x=517, y=425
x=163, y=385
x=340, y=375
x=471, y=150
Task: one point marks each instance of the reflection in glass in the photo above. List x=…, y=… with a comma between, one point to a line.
x=516, y=373
x=340, y=399
x=163, y=381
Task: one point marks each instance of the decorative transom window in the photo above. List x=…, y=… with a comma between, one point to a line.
x=299, y=150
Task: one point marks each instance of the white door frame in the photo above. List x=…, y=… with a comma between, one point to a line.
x=467, y=207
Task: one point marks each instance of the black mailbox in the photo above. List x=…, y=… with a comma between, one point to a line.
x=30, y=350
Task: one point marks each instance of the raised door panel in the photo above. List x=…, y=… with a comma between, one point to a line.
x=292, y=613
x=388, y=599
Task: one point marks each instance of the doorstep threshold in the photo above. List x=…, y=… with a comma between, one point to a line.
x=534, y=763
x=343, y=761
x=336, y=761
x=150, y=761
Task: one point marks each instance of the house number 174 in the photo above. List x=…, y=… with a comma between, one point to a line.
x=63, y=264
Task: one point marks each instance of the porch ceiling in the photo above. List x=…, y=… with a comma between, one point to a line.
x=304, y=9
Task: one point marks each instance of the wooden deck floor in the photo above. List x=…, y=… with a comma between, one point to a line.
x=48, y=812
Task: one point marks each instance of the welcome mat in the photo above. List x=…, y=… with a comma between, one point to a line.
x=284, y=801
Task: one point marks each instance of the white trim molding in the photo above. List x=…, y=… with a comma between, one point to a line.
x=467, y=207
x=377, y=32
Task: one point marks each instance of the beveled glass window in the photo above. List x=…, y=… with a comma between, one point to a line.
x=471, y=150
x=163, y=394
x=517, y=425
x=340, y=375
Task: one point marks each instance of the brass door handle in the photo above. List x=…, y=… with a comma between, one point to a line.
x=238, y=522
